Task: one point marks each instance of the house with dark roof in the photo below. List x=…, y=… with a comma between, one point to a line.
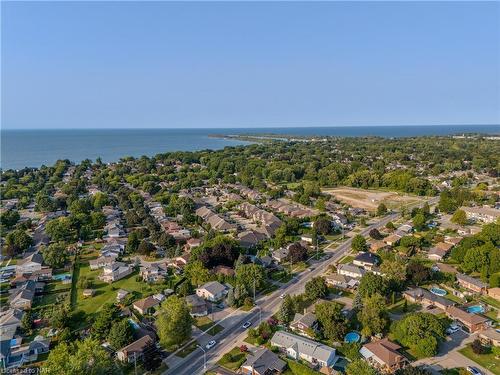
x=135, y=350
x=10, y=321
x=22, y=297
x=384, y=355
x=426, y=298
x=366, y=260
x=305, y=324
x=197, y=305
x=351, y=270
x=30, y=263
x=262, y=361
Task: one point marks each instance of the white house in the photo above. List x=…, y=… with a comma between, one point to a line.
x=211, y=291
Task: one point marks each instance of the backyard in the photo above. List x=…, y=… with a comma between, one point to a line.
x=488, y=361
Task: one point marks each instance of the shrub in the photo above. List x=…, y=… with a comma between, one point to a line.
x=478, y=348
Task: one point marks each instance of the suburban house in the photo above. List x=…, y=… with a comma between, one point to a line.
x=472, y=322
x=115, y=271
x=490, y=337
x=439, y=251
x=280, y=254
x=121, y=294
x=102, y=261
x=305, y=324
x=10, y=321
x=155, y=272
x=30, y=264
x=250, y=238
x=192, y=243
x=22, y=297
x=146, y=305
x=426, y=298
x=392, y=239
x=351, y=270
x=471, y=283
x=485, y=214
x=43, y=274
x=377, y=245
x=342, y=281
x=384, y=356
x=135, y=350
x=262, y=361
x=13, y=355
x=453, y=240
x=224, y=270
x=366, y=260
x=298, y=347
x=443, y=267
x=212, y=291
x=197, y=305
x=494, y=293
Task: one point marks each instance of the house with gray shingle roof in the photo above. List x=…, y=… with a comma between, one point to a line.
x=298, y=347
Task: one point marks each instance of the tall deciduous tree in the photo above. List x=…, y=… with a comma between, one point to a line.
x=174, y=322
x=373, y=315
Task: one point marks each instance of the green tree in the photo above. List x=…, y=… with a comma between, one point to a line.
x=197, y=273
x=359, y=367
x=459, y=217
x=55, y=255
x=316, y=288
x=151, y=358
x=371, y=284
x=373, y=315
x=419, y=221
x=422, y=332
x=174, y=322
x=359, y=243
x=250, y=275
x=286, y=312
x=60, y=229
x=104, y=320
x=17, y=241
x=332, y=322
x=381, y=209
x=121, y=334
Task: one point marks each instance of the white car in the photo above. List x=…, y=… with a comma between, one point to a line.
x=452, y=329
x=247, y=324
x=283, y=296
x=474, y=370
x=210, y=344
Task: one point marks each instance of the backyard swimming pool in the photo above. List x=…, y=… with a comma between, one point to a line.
x=352, y=337
x=61, y=276
x=476, y=309
x=439, y=291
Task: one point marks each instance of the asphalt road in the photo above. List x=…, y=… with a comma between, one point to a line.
x=194, y=362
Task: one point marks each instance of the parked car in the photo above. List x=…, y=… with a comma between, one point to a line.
x=474, y=370
x=210, y=344
x=247, y=324
x=452, y=329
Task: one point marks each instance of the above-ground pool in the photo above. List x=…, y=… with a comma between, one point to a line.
x=438, y=291
x=61, y=276
x=352, y=337
x=477, y=309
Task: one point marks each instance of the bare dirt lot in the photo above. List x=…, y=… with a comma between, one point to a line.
x=370, y=199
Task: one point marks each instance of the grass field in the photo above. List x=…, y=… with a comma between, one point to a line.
x=106, y=293
x=296, y=368
x=236, y=360
x=204, y=322
x=370, y=199
x=488, y=361
x=188, y=349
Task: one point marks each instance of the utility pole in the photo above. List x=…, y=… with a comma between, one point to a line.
x=204, y=357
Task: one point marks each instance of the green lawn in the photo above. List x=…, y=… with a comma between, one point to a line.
x=488, y=361
x=491, y=301
x=106, y=293
x=236, y=360
x=281, y=276
x=346, y=259
x=204, y=323
x=188, y=349
x=398, y=307
x=296, y=368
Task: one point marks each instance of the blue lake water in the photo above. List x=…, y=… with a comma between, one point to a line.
x=33, y=148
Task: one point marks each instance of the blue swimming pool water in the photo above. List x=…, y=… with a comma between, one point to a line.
x=352, y=337
x=477, y=309
x=439, y=291
x=134, y=324
x=61, y=276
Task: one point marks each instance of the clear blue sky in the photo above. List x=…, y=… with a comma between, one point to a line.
x=94, y=64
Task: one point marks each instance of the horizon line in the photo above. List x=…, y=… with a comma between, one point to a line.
x=248, y=128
